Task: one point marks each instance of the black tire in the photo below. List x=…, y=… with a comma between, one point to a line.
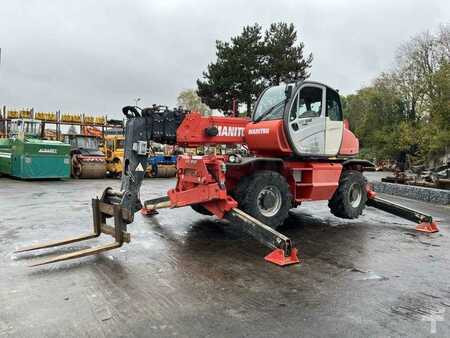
x=201, y=209
x=266, y=196
x=350, y=197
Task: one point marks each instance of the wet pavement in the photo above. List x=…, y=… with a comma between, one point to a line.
x=188, y=275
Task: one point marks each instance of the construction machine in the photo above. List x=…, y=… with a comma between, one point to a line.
x=301, y=150
x=162, y=161
x=162, y=166
x=25, y=155
x=113, y=148
x=86, y=158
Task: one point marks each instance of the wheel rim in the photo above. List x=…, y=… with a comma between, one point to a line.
x=355, y=195
x=269, y=201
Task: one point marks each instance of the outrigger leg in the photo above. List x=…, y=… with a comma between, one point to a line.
x=284, y=252
x=425, y=222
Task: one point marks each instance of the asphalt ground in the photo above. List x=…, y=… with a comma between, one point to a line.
x=188, y=275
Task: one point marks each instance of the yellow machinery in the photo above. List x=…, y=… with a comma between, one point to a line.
x=113, y=149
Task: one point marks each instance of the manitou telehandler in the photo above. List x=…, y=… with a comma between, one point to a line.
x=301, y=148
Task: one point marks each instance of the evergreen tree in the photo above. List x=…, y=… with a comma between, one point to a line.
x=250, y=62
x=284, y=60
x=236, y=73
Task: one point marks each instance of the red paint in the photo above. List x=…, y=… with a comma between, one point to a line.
x=201, y=180
x=312, y=181
x=427, y=227
x=349, y=144
x=264, y=138
x=370, y=193
x=267, y=138
x=277, y=257
x=192, y=133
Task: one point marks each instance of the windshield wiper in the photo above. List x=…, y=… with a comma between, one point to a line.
x=268, y=111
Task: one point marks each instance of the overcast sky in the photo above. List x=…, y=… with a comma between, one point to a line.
x=97, y=56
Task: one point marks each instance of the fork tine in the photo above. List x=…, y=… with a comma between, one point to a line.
x=52, y=244
x=80, y=253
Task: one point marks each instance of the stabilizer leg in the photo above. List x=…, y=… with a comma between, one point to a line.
x=425, y=222
x=283, y=254
x=150, y=206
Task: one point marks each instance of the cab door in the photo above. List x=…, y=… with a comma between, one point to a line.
x=306, y=120
x=334, y=123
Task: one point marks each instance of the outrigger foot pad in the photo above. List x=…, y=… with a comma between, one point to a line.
x=277, y=257
x=428, y=227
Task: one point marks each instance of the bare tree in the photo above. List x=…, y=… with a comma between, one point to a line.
x=188, y=99
x=417, y=61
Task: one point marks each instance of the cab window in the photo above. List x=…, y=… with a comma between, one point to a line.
x=307, y=103
x=334, y=110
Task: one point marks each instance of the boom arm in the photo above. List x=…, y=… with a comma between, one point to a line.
x=198, y=130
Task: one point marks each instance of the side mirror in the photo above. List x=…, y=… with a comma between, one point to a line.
x=288, y=92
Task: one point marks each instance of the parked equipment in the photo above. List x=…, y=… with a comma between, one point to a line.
x=162, y=166
x=24, y=155
x=162, y=161
x=87, y=161
x=438, y=177
x=113, y=148
x=303, y=151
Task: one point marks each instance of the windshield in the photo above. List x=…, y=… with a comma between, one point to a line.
x=88, y=142
x=271, y=97
x=78, y=141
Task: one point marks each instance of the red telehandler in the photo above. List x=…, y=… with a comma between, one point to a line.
x=302, y=150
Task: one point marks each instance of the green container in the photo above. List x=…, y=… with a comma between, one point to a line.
x=34, y=159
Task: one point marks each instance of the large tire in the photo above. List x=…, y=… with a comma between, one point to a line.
x=201, y=209
x=350, y=197
x=264, y=195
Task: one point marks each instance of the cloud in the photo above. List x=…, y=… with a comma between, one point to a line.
x=96, y=56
